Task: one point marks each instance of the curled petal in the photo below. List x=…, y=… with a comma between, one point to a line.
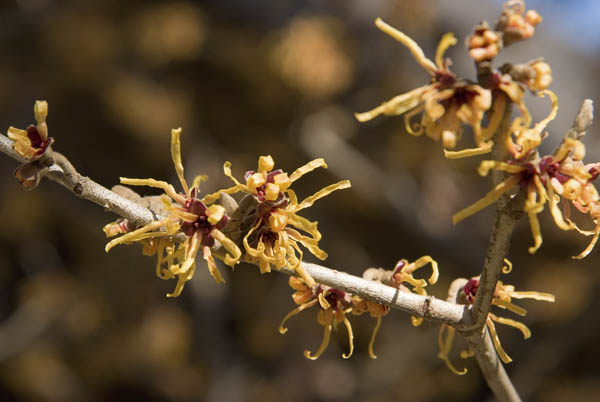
x=421, y=262
x=309, y=167
x=415, y=129
x=445, y=346
x=212, y=265
x=539, y=127
x=181, y=280
x=512, y=323
x=557, y=215
x=233, y=252
x=166, y=187
x=416, y=321
x=323, y=301
x=536, y=232
x=533, y=295
x=298, y=268
x=324, y=343
x=497, y=345
x=416, y=51
x=309, y=201
x=135, y=235
x=311, y=243
x=350, y=338
x=447, y=40
x=299, y=309
x=485, y=167
x=305, y=225
x=509, y=306
x=508, y=267
x=590, y=246
x=466, y=153
x=372, y=354
x=487, y=200
x=397, y=105
x=176, y=156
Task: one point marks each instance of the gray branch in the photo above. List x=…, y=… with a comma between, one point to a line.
x=427, y=307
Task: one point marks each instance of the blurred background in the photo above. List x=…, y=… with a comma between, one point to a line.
x=248, y=78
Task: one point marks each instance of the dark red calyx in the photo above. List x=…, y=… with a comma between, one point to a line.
x=197, y=207
x=445, y=78
x=463, y=95
x=594, y=172
x=36, y=140
x=470, y=289
x=334, y=296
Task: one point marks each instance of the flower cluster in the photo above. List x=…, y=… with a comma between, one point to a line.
x=484, y=44
x=551, y=179
x=201, y=223
x=276, y=232
x=502, y=298
x=517, y=24
x=335, y=304
x=273, y=238
x=446, y=103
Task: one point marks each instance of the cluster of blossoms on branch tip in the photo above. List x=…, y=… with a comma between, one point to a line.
x=502, y=298
x=448, y=102
x=335, y=304
x=271, y=237
x=562, y=176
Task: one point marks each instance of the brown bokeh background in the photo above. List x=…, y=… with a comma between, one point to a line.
x=248, y=78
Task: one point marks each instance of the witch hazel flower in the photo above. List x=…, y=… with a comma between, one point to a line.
x=503, y=299
x=32, y=142
x=334, y=304
x=551, y=179
x=402, y=277
x=277, y=229
x=201, y=223
x=445, y=104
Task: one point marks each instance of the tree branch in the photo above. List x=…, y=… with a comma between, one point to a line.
x=423, y=306
x=507, y=215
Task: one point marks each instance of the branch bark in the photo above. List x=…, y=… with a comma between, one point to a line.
x=428, y=307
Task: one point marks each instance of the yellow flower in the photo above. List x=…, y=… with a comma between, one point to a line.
x=526, y=140
x=277, y=230
x=446, y=103
x=334, y=304
x=402, y=278
x=546, y=180
x=32, y=142
x=502, y=298
x=202, y=225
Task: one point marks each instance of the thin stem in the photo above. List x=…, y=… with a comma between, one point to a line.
x=491, y=367
x=507, y=216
